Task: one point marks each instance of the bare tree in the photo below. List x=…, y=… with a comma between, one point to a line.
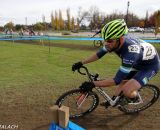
x=157, y=22
x=82, y=15
x=146, y=20
x=97, y=19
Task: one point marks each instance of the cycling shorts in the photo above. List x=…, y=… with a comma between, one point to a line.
x=144, y=75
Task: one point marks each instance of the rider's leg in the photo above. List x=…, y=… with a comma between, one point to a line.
x=120, y=88
x=130, y=88
x=121, y=85
x=139, y=79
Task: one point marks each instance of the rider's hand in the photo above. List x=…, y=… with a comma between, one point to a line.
x=87, y=86
x=77, y=66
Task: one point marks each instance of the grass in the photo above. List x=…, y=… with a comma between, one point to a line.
x=73, y=42
x=32, y=78
x=23, y=65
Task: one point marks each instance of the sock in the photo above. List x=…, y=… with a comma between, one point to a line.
x=114, y=97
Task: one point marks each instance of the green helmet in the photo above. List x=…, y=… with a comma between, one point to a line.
x=114, y=29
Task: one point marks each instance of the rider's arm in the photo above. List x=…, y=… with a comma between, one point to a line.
x=96, y=56
x=104, y=83
x=120, y=76
x=90, y=59
x=123, y=72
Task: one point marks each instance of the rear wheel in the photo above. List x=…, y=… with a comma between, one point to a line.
x=79, y=103
x=97, y=43
x=149, y=94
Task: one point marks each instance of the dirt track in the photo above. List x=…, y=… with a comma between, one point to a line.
x=63, y=45
x=37, y=116
x=15, y=108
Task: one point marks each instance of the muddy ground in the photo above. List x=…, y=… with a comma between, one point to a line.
x=16, y=109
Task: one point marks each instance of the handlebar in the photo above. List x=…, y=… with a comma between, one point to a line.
x=91, y=77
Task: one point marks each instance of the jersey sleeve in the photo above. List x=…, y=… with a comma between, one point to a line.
x=122, y=74
x=101, y=52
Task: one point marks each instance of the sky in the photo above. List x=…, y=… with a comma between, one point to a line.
x=31, y=11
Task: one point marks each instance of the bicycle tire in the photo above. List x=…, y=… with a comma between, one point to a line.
x=91, y=95
x=97, y=43
x=155, y=97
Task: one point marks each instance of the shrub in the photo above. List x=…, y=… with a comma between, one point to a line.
x=66, y=33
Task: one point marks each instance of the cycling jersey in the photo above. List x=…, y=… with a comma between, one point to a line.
x=136, y=55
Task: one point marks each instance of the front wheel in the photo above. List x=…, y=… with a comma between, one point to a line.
x=148, y=95
x=79, y=103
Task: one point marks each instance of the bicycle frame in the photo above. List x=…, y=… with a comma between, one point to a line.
x=114, y=102
x=107, y=97
x=103, y=93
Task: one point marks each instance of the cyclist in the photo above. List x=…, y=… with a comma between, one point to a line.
x=140, y=60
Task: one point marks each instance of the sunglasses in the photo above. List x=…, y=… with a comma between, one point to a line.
x=110, y=40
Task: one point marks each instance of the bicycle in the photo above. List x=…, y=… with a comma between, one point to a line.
x=97, y=43
x=83, y=103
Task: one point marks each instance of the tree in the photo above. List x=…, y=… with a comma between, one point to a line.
x=52, y=21
x=157, y=22
x=81, y=16
x=146, y=20
x=1, y=28
x=68, y=19
x=56, y=21
x=133, y=20
x=18, y=27
x=94, y=16
x=61, y=21
x=141, y=23
x=39, y=26
x=72, y=23
x=151, y=20
x=9, y=25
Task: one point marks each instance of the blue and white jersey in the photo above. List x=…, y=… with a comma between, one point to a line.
x=136, y=55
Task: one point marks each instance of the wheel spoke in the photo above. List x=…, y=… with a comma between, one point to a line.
x=149, y=95
x=79, y=103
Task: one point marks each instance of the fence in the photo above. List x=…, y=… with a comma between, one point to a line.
x=17, y=37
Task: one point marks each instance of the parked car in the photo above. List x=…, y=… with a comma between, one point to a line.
x=136, y=29
x=149, y=30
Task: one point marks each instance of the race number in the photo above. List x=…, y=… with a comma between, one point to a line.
x=149, y=51
x=134, y=48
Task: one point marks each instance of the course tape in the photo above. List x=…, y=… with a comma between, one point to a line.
x=62, y=38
